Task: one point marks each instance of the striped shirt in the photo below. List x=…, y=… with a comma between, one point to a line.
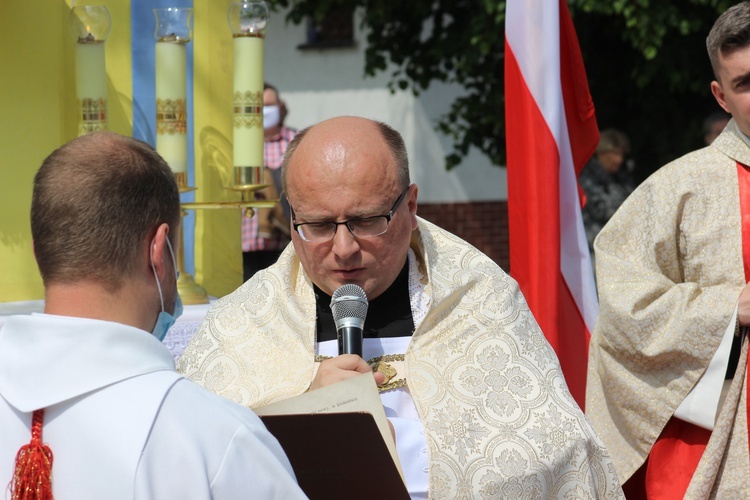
x=273, y=155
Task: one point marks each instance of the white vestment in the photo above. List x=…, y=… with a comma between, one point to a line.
x=121, y=423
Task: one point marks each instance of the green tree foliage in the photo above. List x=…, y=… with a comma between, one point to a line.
x=649, y=71
x=646, y=61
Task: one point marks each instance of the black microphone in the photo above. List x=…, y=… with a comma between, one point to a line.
x=349, y=307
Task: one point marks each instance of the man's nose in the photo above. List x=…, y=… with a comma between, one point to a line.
x=344, y=243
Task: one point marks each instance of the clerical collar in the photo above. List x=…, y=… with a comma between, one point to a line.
x=389, y=315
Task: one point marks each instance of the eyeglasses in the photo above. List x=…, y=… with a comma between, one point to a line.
x=363, y=227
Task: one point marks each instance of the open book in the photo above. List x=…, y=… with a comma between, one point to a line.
x=338, y=438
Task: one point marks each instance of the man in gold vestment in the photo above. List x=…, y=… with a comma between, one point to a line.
x=668, y=356
x=474, y=392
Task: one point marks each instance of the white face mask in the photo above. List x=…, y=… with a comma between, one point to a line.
x=271, y=116
x=165, y=320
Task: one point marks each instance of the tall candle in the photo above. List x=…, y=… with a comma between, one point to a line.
x=248, y=20
x=90, y=25
x=91, y=86
x=248, y=101
x=171, y=103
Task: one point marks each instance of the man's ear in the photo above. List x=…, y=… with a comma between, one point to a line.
x=158, y=248
x=718, y=93
x=411, y=202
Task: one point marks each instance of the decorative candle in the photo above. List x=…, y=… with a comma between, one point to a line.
x=90, y=25
x=248, y=22
x=171, y=104
x=172, y=34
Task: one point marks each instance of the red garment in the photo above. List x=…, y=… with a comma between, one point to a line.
x=673, y=459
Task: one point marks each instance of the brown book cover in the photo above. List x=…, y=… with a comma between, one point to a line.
x=338, y=455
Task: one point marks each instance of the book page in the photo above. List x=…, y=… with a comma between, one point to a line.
x=356, y=394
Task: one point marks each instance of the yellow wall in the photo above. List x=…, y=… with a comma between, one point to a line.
x=37, y=114
x=218, y=251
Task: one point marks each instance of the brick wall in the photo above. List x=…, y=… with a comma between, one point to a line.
x=483, y=224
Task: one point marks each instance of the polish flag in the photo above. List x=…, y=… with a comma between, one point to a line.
x=551, y=133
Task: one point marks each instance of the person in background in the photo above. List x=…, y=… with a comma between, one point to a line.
x=266, y=234
x=473, y=390
x=90, y=398
x=713, y=125
x=605, y=182
x=667, y=377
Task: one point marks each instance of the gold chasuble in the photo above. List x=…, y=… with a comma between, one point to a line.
x=670, y=271
x=498, y=418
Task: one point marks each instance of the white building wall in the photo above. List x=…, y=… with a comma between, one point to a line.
x=319, y=84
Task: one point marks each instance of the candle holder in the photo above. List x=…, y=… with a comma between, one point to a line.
x=248, y=21
x=173, y=32
x=90, y=25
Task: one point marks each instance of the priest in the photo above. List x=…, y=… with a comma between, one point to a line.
x=473, y=390
x=667, y=376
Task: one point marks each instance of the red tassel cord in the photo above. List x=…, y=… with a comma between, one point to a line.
x=32, y=479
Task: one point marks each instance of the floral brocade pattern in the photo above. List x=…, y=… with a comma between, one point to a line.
x=670, y=271
x=498, y=418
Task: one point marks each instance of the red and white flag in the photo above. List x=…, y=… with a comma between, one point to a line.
x=551, y=133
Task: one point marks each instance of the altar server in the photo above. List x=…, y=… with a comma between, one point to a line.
x=89, y=393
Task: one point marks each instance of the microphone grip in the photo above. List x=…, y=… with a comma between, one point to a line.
x=350, y=340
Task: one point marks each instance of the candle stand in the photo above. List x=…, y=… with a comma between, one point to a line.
x=173, y=32
x=248, y=21
x=190, y=291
